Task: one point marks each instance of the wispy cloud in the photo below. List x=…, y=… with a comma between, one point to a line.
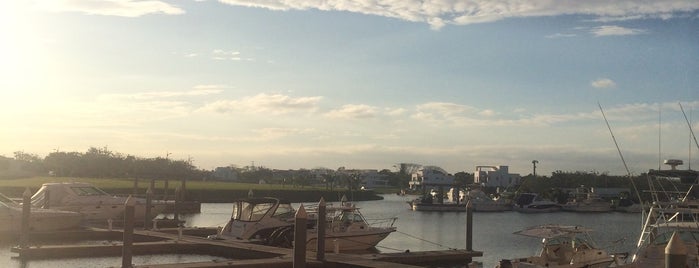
x=561, y=35
x=611, y=30
x=200, y=90
x=122, y=8
x=353, y=111
x=265, y=103
x=440, y=13
x=603, y=83
x=220, y=54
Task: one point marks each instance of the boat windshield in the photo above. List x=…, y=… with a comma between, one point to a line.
x=284, y=211
x=87, y=191
x=686, y=236
x=251, y=211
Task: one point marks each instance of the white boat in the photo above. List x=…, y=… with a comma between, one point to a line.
x=348, y=230
x=671, y=212
x=562, y=246
x=428, y=204
x=270, y=220
x=586, y=200
x=533, y=203
x=92, y=202
x=39, y=219
x=483, y=203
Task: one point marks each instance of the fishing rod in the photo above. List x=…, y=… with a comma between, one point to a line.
x=689, y=125
x=638, y=195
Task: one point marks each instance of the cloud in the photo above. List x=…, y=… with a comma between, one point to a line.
x=219, y=54
x=122, y=8
x=439, y=13
x=560, y=35
x=611, y=30
x=353, y=111
x=435, y=111
x=200, y=90
x=265, y=103
x=603, y=83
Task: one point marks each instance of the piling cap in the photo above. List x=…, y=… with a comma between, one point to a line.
x=675, y=246
x=301, y=213
x=149, y=190
x=250, y=194
x=321, y=203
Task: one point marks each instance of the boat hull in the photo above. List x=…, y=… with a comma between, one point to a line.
x=349, y=242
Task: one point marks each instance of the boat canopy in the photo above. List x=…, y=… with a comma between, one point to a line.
x=254, y=209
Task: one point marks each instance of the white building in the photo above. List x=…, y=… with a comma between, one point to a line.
x=430, y=176
x=495, y=176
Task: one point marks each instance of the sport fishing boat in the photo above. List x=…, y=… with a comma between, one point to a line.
x=90, y=201
x=270, y=221
x=671, y=212
x=39, y=219
x=562, y=246
x=533, y=203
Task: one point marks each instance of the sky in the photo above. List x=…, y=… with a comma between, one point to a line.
x=360, y=84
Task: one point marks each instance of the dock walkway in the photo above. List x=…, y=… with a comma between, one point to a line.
x=236, y=253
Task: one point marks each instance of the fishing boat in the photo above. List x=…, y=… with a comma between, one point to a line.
x=586, y=200
x=270, y=221
x=672, y=212
x=90, y=201
x=533, y=203
x=39, y=219
x=562, y=246
x=481, y=202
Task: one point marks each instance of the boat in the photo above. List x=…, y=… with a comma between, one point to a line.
x=92, y=202
x=562, y=246
x=270, y=221
x=586, y=200
x=481, y=202
x=627, y=205
x=41, y=220
x=427, y=203
x=671, y=212
x=533, y=203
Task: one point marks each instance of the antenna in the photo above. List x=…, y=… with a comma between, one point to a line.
x=690, y=126
x=660, y=127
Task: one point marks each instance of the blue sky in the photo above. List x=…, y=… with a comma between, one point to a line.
x=359, y=84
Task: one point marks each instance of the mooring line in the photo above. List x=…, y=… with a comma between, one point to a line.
x=424, y=240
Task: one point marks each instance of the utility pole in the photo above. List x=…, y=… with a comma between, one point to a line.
x=534, y=162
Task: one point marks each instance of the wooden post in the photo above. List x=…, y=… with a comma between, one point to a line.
x=47, y=199
x=26, y=212
x=152, y=185
x=147, y=221
x=183, y=190
x=300, y=221
x=135, y=186
x=250, y=193
x=320, y=249
x=127, y=250
x=469, y=226
x=165, y=189
x=675, y=252
x=175, y=207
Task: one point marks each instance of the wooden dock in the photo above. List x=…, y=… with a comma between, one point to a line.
x=235, y=253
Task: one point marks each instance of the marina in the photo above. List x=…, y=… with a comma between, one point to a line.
x=417, y=231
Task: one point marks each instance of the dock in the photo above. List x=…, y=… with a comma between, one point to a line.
x=235, y=253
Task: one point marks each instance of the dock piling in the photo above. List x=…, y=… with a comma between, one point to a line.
x=300, y=221
x=320, y=249
x=26, y=212
x=149, y=202
x=469, y=226
x=165, y=189
x=175, y=206
x=127, y=248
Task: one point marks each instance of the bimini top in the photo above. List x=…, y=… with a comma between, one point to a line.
x=552, y=230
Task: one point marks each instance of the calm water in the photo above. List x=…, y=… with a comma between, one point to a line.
x=617, y=232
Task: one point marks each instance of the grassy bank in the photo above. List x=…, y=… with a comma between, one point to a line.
x=203, y=191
